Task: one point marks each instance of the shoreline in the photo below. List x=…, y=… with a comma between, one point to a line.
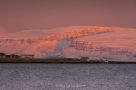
x=62, y=61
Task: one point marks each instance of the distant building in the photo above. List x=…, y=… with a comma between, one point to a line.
x=84, y=58
x=28, y=56
x=12, y=56
x=2, y=55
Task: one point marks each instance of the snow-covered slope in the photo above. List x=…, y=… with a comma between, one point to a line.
x=95, y=42
x=120, y=45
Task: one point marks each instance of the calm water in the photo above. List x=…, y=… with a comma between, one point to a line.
x=67, y=77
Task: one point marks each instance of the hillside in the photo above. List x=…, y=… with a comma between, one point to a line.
x=95, y=42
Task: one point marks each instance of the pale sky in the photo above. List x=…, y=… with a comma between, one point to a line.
x=16, y=15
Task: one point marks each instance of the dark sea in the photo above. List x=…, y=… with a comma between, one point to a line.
x=67, y=76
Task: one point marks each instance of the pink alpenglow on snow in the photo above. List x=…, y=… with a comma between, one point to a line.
x=95, y=42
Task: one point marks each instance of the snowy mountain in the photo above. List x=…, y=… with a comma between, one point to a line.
x=95, y=42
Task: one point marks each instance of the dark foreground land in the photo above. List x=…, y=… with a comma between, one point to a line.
x=67, y=76
x=61, y=60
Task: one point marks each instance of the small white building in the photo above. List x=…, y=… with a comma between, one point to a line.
x=27, y=56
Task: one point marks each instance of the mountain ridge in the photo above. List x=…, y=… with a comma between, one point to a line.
x=57, y=42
